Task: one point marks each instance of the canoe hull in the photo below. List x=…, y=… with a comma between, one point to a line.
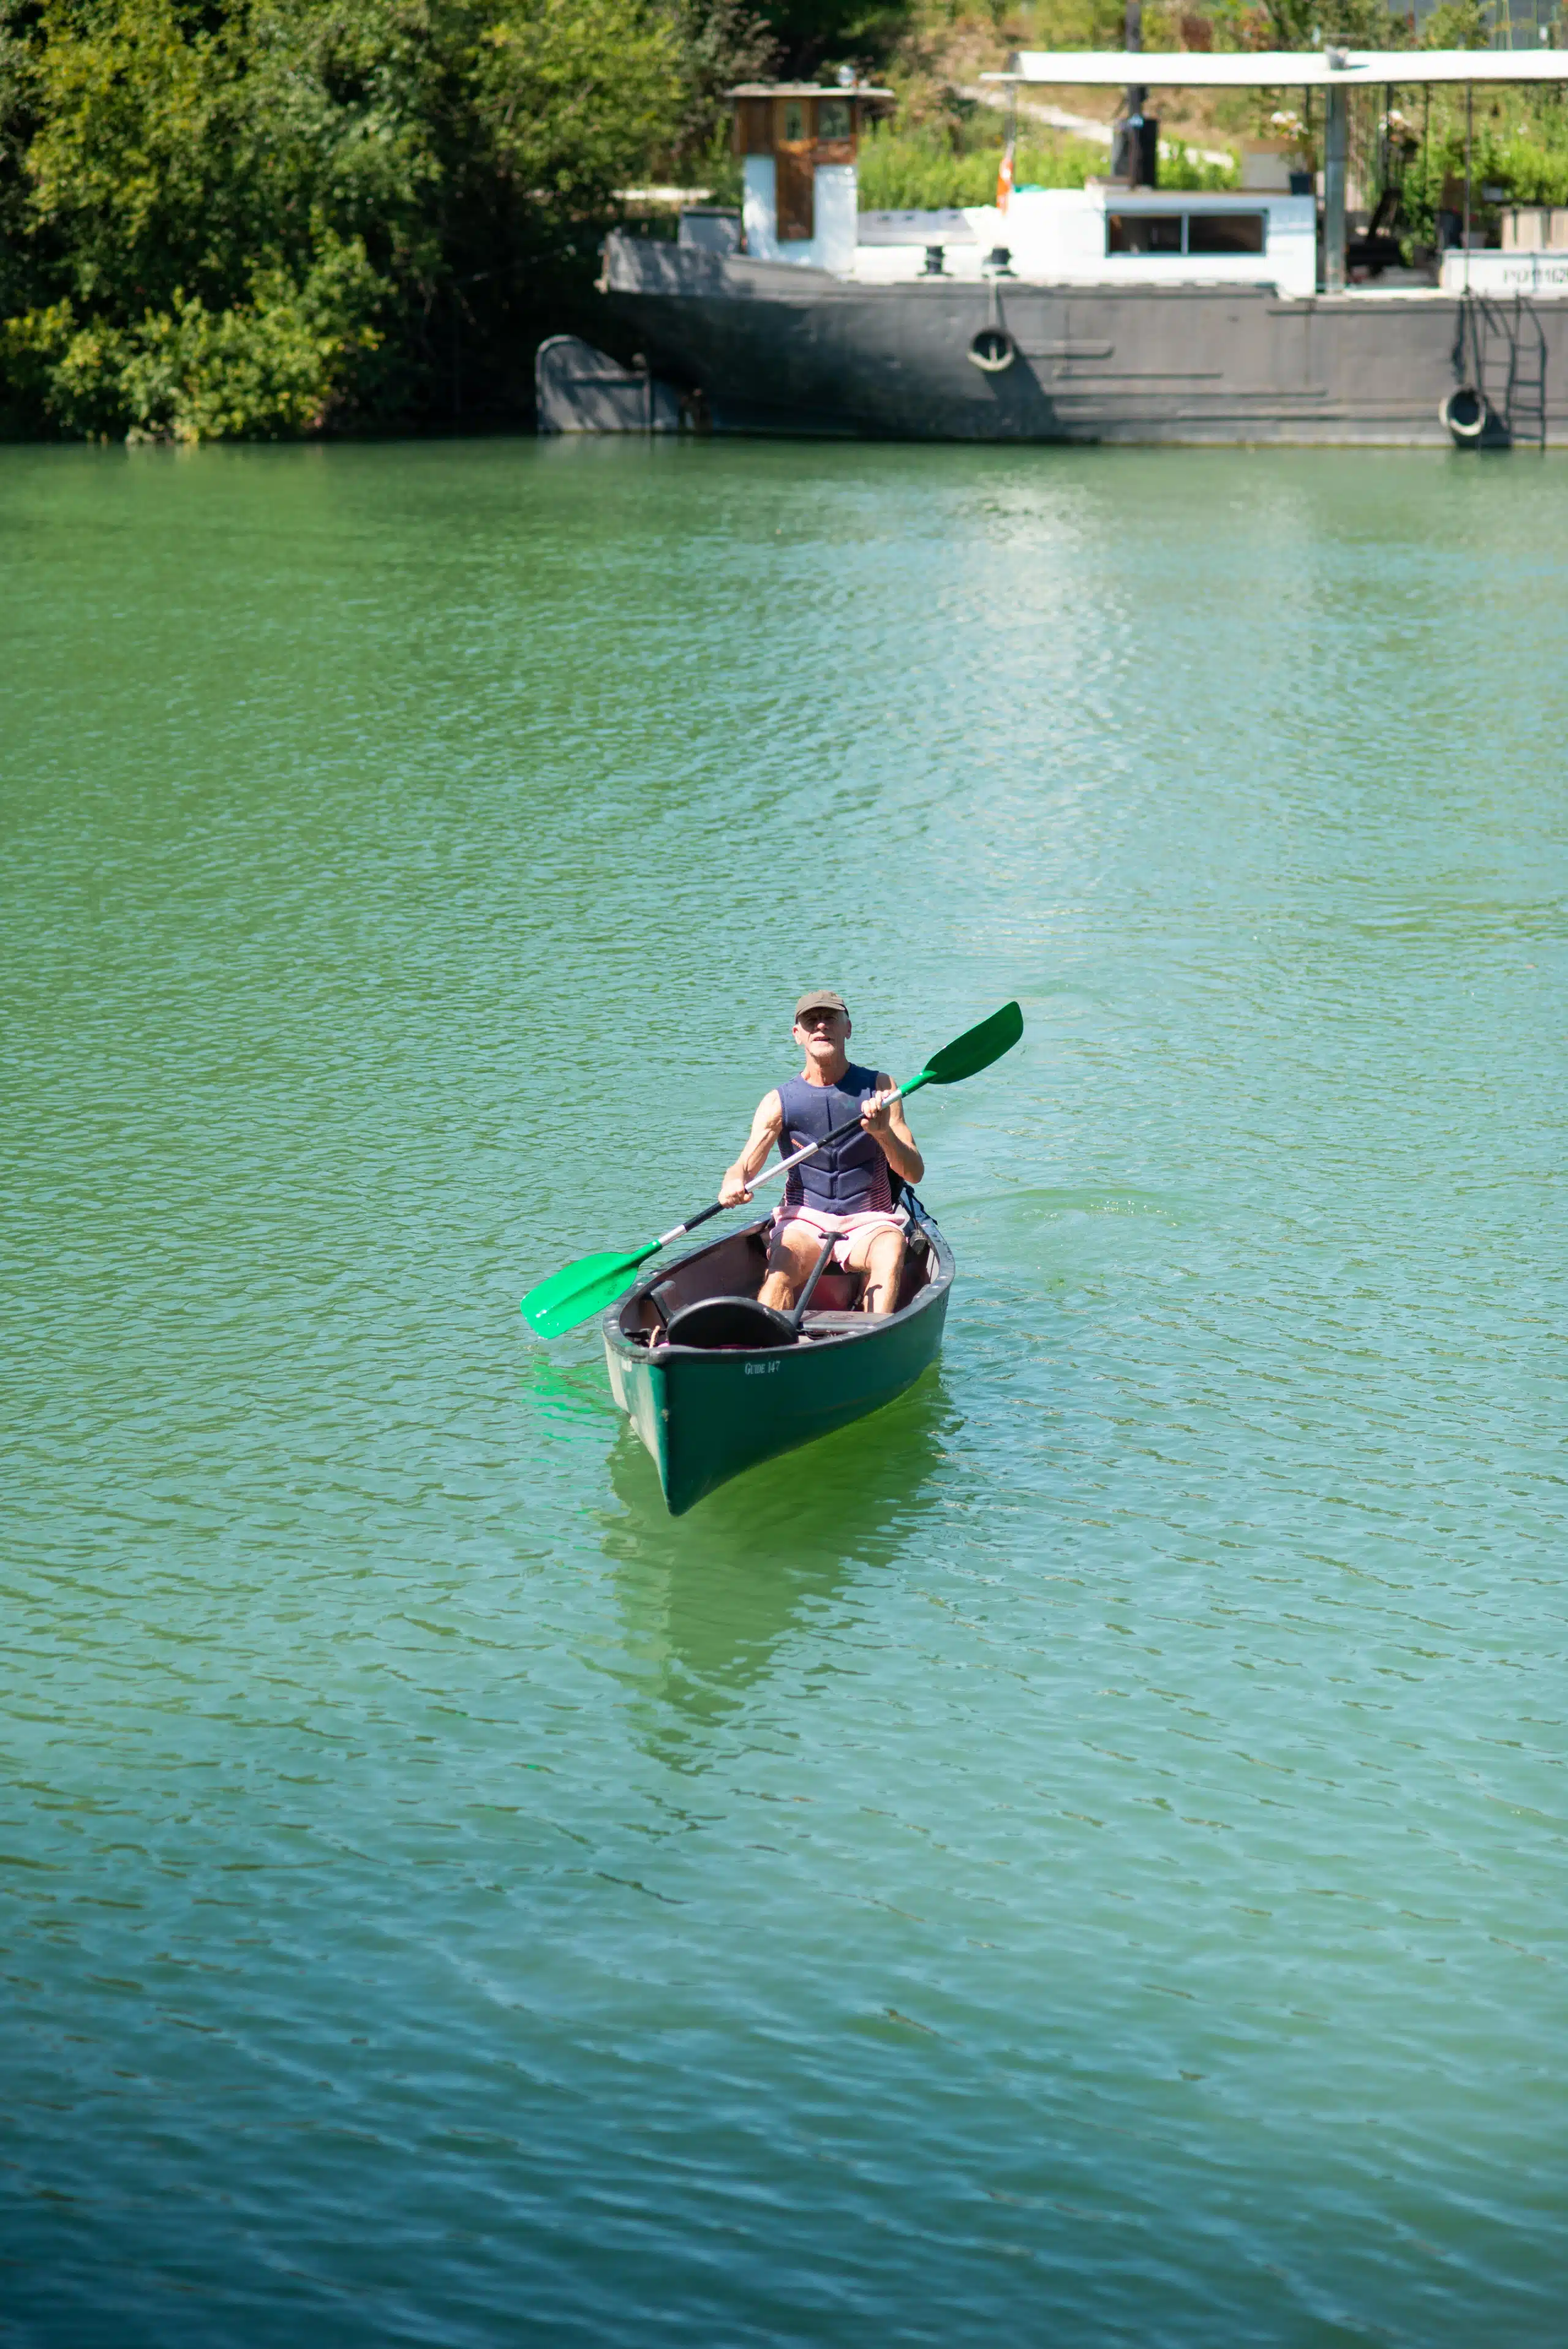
x=704, y=1417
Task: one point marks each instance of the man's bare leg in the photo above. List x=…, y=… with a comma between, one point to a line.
x=884, y=1267
x=790, y=1255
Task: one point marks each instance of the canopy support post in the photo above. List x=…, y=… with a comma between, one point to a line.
x=1470, y=136
x=1335, y=143
x=1135, y=96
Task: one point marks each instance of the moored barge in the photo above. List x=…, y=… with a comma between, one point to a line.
x=1118, y=312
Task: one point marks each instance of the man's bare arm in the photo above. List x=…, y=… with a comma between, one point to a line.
x=765, y=1128
x=887, y=1124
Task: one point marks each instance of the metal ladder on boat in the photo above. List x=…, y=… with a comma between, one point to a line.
x=1505, y=346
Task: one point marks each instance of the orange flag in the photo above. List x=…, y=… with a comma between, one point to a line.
x=1004, y=178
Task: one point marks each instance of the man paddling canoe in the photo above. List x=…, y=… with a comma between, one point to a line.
x=844, y=1191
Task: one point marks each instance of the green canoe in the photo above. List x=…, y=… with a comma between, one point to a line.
x=706, y=1412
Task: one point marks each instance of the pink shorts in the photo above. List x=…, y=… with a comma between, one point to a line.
x=846, y=1229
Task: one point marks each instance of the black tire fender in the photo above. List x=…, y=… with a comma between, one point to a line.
x=1464, y=415
x=993, y=351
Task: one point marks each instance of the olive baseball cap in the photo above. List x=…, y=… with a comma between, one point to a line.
x=820, y=998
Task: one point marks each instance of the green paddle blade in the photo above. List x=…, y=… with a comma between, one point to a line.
x=579, y=1289
x=974, y=1049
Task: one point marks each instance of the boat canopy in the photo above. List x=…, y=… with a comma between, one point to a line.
x=1326, y=68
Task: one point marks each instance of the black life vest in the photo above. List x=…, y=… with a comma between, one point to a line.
x=850, y=1179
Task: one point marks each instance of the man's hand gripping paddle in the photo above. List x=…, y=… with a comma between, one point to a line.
x=587, y=1286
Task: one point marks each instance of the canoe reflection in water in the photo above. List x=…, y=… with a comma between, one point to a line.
x=708, y=1601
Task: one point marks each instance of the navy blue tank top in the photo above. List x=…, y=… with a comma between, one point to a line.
x=850, y=1179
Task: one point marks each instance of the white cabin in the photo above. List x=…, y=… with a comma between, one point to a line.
x=1104, y=235
x=797, y=144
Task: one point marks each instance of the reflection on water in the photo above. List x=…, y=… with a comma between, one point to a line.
x=569, y=1394
x=708, y=1598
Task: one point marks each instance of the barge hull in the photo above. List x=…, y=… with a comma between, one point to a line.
x=773, y=349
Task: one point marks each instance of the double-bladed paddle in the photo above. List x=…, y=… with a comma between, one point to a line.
x=570, y=1294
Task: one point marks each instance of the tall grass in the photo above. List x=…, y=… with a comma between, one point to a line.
x=923, y=171
x=1183, y=167
x=918, y=171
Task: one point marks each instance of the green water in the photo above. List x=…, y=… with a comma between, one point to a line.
x=1079, y=1859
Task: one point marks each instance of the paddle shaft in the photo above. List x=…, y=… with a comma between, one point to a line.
x=839, y=1133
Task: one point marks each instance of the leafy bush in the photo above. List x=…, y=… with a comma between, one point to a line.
x=268, y=368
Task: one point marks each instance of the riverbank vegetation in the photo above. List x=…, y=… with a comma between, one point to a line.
x=268, y=218
x=932, y=165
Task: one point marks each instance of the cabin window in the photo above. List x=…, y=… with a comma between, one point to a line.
x=794, y=121
x=833, y=118
x=1143, y=231
x=1226, y=231
x=1189, y=232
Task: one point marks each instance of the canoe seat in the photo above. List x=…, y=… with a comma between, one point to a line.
x=728, y=1324
x=839, y=1292
x=835, y=1325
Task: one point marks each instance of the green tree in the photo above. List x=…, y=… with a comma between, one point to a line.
x=270, y=217
x=811, y=32
x=18, y=115
x=720, y=43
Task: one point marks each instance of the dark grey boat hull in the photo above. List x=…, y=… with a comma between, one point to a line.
x=772, y=348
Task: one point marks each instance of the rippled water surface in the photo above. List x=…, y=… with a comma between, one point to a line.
x=1079, y=1859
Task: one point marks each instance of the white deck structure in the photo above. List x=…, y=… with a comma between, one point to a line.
x=1107, y=235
